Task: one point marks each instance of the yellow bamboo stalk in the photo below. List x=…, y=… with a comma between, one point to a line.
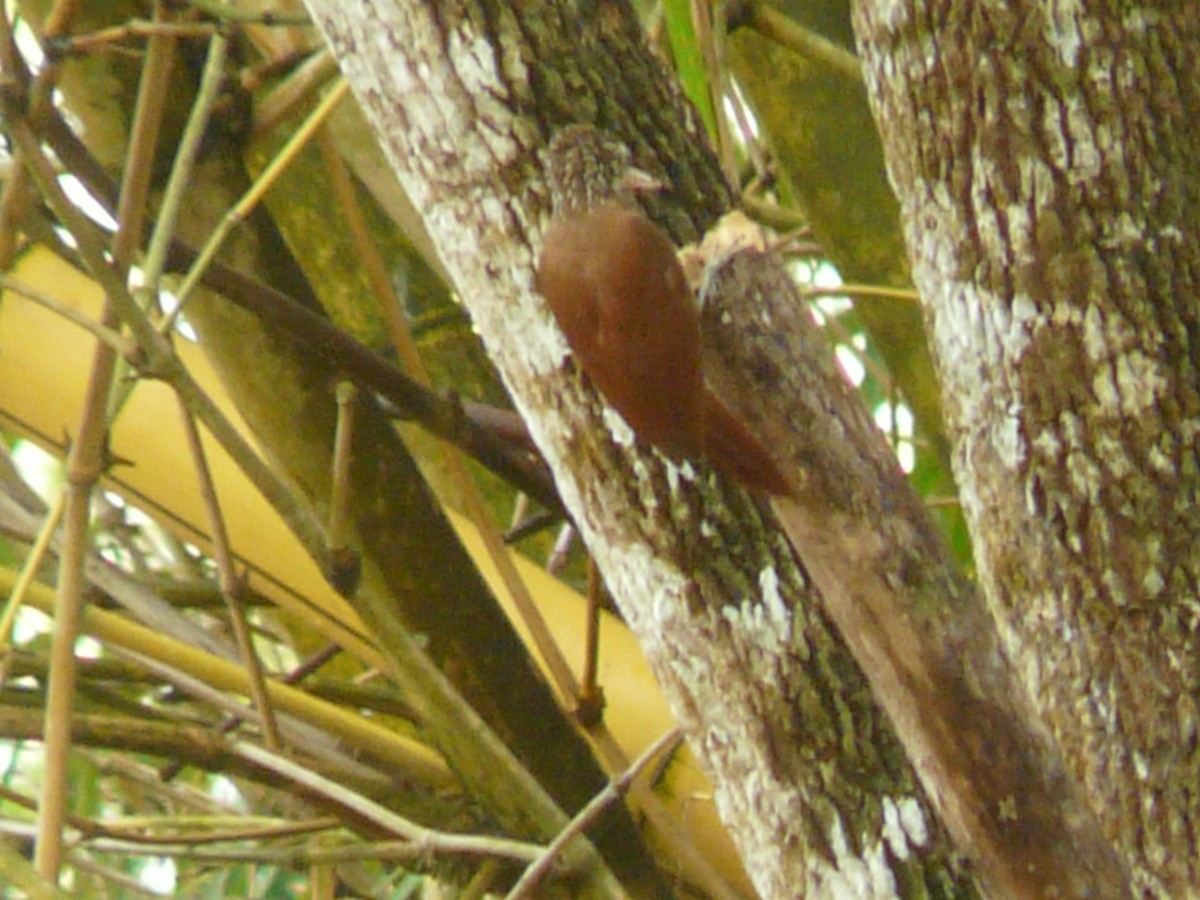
x=407, y=754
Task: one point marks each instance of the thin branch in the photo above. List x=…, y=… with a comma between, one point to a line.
x=84, y=464
x=242, y=209
x=182, y=166
x=120, y=884
x=225, y=12
x=211, y=829
x=774, y=216
x=611, y=794
x=161, y=358
x=120, y=344
x=426, y=838
x=469, y=426
x=146, y=780
x=319, y=854
x=484, y=877
x=942, y=502
x=862, y=292
x=353, y=696
x=776, y=26
x=12, y=67
x=415, y=758
x=194, y=745
x=147, y=125
x=108, y=38
x=717, y=74
x=231, y=583
x=29, y=567
x=345, y=563
x=565, y=684
x=282, y=99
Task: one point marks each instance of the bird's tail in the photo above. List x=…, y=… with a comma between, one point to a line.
x=737, y=453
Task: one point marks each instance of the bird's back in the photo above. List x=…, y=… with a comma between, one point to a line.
x=615, y=286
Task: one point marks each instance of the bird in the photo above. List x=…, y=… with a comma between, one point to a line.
x=617, y=290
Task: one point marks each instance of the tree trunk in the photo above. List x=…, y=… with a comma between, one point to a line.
x=1045, y=157
x=809, y=776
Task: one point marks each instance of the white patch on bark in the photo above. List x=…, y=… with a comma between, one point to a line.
x=893, y=831
x=777, y=611
x=1123, y=232
x=1084, y=476
x=912, y=817
x=1036, y=186
x=1114, y=456
x=1024, y=312
x=853, y=875
x=654, y=578
x=770, y=802
x=1047, y=444
x=1104, y=389
x=478, y=69
x=893, y=15
x=678, y=473
x=765, y=623
x=618, y=427
x=673, y=479
x=1153, y=583
x=964, y=312
x=1007, y=439
x=1140, y=767
x=1114, y=587
x=1094, y=339
x=1140, y=382
x=1061, y=30
x=532, y=322
x=1159, y=457
x=1082, y=162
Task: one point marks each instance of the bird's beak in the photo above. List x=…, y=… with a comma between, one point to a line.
x=638, y=181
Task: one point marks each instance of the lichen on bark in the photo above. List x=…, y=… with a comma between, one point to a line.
x=1041, y=153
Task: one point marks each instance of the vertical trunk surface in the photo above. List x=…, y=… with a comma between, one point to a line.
x=809, y=775
x=1046, y=159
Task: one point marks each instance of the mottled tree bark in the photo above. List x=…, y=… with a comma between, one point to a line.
x=810, y=778
x=1045, y=156
x=918, y=629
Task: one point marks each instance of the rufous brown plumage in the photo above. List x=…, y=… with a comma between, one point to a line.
x=615, y=285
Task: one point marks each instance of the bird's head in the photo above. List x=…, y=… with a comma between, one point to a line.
x=585, y=168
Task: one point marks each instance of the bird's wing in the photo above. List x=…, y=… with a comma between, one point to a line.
x=564, y=279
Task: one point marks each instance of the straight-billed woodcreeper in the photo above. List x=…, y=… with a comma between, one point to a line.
x=615, y=285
